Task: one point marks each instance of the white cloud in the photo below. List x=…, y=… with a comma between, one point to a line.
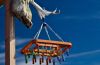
x=2, y=57
x=96, y=63
x=83, y=53
x=30, y=62
x=95, y=15
x=18, y=42
x=22, y=40
x=81, y=17
x=21, y=60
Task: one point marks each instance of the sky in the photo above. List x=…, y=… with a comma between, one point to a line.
x=78, y=22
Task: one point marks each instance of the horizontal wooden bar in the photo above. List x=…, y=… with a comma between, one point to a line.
x=46, y=54
x=1, y=2
x=47, y=45
x=53, y=42
x=41, y=53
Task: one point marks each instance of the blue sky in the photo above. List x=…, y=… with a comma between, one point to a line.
x=79, y=22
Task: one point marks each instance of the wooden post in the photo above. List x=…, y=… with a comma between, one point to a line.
x=9, y=36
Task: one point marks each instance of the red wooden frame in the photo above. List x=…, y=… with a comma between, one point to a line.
x=56, y=46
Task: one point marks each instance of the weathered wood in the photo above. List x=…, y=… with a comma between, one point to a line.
x=9, y=36
x=53, y=42
x=1, y=2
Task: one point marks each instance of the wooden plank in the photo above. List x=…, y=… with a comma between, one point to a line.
x=42, y=51
x=28, y=46
x=46, y=54
x=53, y=42
x=1, y=2
x=9, y=36
x=48, y=45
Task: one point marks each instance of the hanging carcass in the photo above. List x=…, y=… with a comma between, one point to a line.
x=21, y=9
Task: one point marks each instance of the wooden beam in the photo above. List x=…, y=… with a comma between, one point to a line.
x=1, y=2
x=9, y=36
x=42, y=51
x=47, y=45
x=68, y=44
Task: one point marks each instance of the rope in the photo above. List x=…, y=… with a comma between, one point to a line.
x=38, y=33
x=55, y=33
x=47, y=33
x=45, y=27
